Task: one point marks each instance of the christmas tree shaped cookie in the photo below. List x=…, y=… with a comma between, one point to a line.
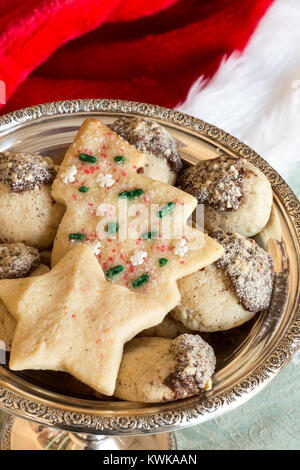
x=135, y=225
x=72, y=319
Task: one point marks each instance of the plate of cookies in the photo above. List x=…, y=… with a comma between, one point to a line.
x=149, y=268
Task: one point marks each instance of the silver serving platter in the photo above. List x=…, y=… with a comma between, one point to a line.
x=248, y=358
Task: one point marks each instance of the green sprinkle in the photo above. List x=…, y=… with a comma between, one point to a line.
x=83, y=189
x=149, y=235
x=131, y=194
x=84, y=157
x=112, y=227
x=76, y=236
x=110, y=273
x=119, y=159
x=163, y=261
x=166, y=210
x=140, y=280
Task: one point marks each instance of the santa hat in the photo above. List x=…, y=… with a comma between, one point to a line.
x=233, y=63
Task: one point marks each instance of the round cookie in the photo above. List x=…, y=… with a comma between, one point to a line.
x=229, y=292
x=28, y=213
x=237, y=196
x=156, y=370
x=156, y=143
x=16, y=260
x=168, y=328
x=208, y=302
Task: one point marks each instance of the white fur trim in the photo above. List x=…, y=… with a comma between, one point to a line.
x=255, y=96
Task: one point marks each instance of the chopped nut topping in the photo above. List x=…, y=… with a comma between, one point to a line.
x=249, y=268
x=195, y=365
x=151, y=137
x=17, y=260
x=24, y=171
x=218, y=182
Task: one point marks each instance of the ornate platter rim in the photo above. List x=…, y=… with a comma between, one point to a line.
x=23, y=403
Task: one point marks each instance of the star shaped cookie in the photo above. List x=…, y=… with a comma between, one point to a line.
x=125, y=217
x=72, y=319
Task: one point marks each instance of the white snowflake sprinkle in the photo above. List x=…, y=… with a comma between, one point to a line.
x=180, y=247
x=105, y=180
x=68, y=176
x=96, y=247
x=138, y=257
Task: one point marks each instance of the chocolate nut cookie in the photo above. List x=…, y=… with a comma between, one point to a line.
x=237, y=197
x=28, y=214
x=229, y=292
x=156, y=143
x=155, y=370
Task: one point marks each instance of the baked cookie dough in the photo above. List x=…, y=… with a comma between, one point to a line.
x=236, y=195
x=156, y=370
x=16, y=260
x=229, y=292
x=161, y=149
x=168, y=328
x=28, y=214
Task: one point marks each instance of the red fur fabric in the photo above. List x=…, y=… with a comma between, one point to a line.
x=142, y=50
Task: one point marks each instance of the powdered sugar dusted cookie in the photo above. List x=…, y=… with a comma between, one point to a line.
x=155, y=370
x=161, y=149
x=249, y=267
x=229, y=292
x=123, y=216
x=17, y=260
x=72, y=319
x=237, y=196
x=208, y=302
x=28, y=214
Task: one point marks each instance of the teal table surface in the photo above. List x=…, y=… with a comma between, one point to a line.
x=270, y=420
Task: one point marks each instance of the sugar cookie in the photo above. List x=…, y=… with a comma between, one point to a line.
x=143, y=260
x=7, y=322
x=72, y=319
